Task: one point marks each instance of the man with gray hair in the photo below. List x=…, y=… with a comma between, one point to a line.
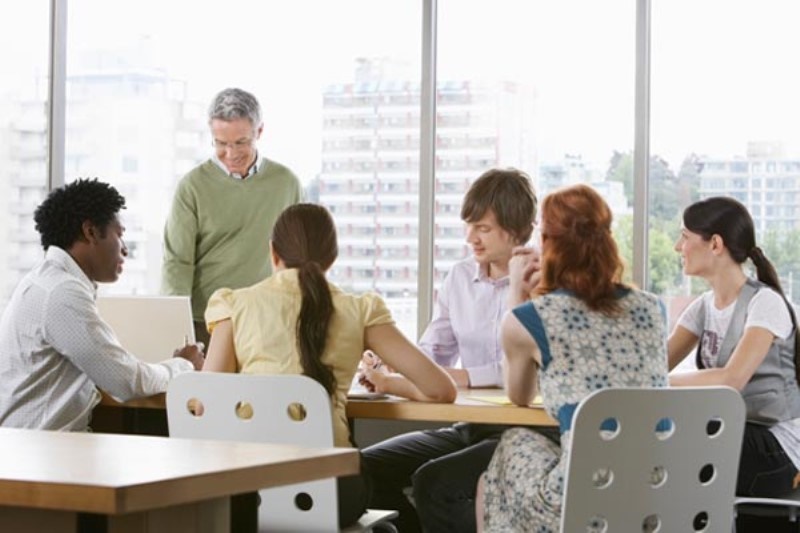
x=217, y=233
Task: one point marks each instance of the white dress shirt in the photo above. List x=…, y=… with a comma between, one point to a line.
x=466, y=323
x=55, y=351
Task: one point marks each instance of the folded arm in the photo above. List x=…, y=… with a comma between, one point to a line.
x=416, y=377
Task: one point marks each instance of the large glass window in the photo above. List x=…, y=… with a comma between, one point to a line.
x=339, y=87
x=545, y=87
x=724, y=122
x=23, y=137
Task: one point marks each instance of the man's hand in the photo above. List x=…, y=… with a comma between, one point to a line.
x=192, y=353
x=524, y=274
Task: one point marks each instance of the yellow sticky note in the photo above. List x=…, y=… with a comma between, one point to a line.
x=503, y=400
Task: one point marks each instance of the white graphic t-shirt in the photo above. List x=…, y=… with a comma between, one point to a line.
x=767, y=309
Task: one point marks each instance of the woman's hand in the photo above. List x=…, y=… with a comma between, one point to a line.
x=372, y=372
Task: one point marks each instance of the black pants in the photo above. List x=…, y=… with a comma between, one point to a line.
x=764, y=471
x=764, y=468
x=353, y=493
x=442, y=466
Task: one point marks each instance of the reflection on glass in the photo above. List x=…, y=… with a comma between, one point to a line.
x=137, y=97
x=540, y=89
x=724, y=122
x=23, y=138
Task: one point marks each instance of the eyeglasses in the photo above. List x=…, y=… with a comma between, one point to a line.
x=237, y=146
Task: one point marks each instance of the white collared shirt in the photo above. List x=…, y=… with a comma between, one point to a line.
x=55, y=351
x=466, y=323
x=253, y=168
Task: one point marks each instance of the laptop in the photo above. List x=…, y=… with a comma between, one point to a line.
x=149, y=327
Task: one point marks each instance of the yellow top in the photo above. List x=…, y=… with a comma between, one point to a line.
x=264, y=318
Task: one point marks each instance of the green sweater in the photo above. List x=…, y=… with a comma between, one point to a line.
x=218, y=231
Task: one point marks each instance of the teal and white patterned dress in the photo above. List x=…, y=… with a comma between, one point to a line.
x=582, y=351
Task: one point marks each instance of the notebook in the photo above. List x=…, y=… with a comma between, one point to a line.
x=503, y=400
x=149, y=327
x=360, y=392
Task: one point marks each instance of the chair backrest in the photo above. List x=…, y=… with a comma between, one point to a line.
x=287, y=409
x=168, y=319
x=654, y=460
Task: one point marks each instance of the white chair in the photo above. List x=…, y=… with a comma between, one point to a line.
x=286, y=409
x=787, y=505
x=654, y=460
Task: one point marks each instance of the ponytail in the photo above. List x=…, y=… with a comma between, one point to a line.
x=304, y=237
x=729, y=218
x=315, y=315
x=766, y=273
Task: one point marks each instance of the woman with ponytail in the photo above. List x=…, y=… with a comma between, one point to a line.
x=745, y=334
x=296, y=322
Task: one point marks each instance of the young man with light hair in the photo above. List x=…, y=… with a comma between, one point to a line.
x=442, y=466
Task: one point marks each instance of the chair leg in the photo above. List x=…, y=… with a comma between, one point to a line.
x=388, y=527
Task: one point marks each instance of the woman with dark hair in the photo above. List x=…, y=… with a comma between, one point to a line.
x=296, y=322
x=745, y=334
x=582, y=330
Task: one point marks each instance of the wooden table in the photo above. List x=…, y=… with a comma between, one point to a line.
x=465, y=409
x=153, y=484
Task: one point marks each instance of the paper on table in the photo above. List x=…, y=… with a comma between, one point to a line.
x=503, y=400
x=360, y=392
x=364, y=394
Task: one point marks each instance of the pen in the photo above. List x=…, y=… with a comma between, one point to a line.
x=186, y=340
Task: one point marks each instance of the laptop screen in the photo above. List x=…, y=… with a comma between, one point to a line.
x=149, y=327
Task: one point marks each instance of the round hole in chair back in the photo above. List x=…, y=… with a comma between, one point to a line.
x=609, y=428
x=296, y=411
x=700, y=521
x=195, y=407
x=602, y=478
x=597, y=524
x=714, y=426
x=658, y=476
x=664, y=429
x=303, y=501
x=651, y=523
x=706, y=474
x=244, y=411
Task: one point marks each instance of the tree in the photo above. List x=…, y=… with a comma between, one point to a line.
x=783, y=250
x=664, y=270
x=666, y=196
x=664, y=263
x=620, y=168
x=689, y=180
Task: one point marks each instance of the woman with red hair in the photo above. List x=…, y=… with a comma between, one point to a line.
x=574, y=328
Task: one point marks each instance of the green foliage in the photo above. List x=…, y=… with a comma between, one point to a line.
x=783, y=250
x=623, y=234
x=620, y=169
x=664, y=268
x=668, y=193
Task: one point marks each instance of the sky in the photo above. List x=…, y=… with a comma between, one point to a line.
x=722, y=72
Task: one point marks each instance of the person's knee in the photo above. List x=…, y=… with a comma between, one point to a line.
x=429, y=482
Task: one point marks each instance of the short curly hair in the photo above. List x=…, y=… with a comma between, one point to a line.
x=60, y=217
